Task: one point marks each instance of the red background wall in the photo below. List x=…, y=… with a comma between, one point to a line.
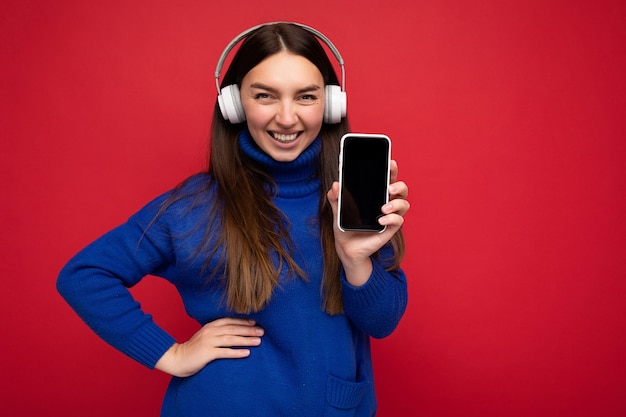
x=508, y=123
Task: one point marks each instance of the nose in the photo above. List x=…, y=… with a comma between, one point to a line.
x=286, y=114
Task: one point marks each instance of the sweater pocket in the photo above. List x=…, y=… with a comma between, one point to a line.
x=343, y=397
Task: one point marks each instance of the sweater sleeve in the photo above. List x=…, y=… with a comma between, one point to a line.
x=95, y=284
x=378, y=305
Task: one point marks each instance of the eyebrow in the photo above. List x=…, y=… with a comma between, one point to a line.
x=261, y=86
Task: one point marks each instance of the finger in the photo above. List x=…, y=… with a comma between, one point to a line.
x=229, y=325
x=228, y=321
x=392, y=221
x=230, y=341
x=229, y=353
x=228, y=331
x=397, y=206
x=393, y=171
x=398, y=190
x=333, y=193
x=333, y=197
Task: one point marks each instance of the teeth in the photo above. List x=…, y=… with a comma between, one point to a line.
x=284, y=138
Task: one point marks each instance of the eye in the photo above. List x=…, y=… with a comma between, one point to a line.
x=262, y=96
x=308, y=97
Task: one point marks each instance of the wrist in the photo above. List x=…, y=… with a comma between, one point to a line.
x=167, y=362
x=358, y=272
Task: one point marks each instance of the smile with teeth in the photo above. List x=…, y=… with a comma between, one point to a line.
x=284, y=138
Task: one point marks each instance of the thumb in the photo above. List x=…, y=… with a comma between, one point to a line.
x=333, y=196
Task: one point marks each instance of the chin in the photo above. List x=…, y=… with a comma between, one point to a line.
x=284, y=157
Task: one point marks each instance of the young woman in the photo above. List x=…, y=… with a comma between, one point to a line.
x=287, y=302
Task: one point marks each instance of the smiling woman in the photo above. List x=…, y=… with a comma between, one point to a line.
x=252, y=247
x=283, y=98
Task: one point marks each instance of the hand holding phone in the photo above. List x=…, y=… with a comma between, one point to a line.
x=363, y=181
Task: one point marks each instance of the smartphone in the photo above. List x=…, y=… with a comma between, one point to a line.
x=363, y=181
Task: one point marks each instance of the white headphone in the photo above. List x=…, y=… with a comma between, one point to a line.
x=229, y=98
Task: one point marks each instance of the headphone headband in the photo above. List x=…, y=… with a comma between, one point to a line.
x=229, y=97
x=244, y=34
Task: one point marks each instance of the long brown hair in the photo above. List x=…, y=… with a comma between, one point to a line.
x=252, y=235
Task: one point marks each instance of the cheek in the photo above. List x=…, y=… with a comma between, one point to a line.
x=257, y=115
x=313, y=116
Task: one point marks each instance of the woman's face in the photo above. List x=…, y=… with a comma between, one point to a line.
x=283, y=97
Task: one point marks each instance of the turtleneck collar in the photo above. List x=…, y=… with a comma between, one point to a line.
x=294, y=179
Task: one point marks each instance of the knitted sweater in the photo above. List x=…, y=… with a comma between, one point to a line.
x=308, y=364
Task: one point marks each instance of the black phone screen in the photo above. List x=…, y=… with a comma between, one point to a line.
x=364, y=178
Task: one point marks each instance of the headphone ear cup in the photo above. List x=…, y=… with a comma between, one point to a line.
x=229, y=101
x=335, y=105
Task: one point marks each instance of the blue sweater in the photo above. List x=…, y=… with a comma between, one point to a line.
x=308, y=364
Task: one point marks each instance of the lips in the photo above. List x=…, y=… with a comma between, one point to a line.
x=284, y=137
